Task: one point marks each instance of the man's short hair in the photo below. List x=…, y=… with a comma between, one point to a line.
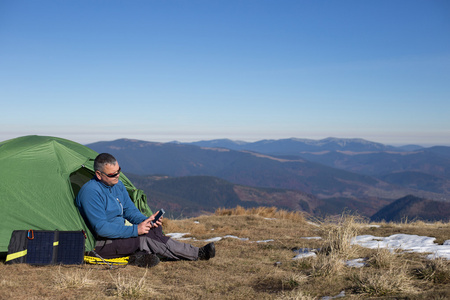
x=103, y=159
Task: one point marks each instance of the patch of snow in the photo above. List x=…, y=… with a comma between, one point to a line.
x=216, y=239
x=340, y=295
x=311, y=238
x=304, y=255
x=313, y=224
x=265, y=241
x=406, y=242
x=356, y=263
x=178, y=236
x=235, y=237
x=304, y=252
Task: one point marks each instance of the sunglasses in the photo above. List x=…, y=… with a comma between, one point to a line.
x=112, y=175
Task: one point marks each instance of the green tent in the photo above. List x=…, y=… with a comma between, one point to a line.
x=40, y=177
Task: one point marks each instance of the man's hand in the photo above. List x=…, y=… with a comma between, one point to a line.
x=157, y=223
x=145, y=226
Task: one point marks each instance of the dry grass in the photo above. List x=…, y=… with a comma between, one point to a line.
x=393, y=281
x=338, y=234
x=127, y=286
x=382, y=258
x=253, y=268
x=77, y=278
x=436, y=271
x=266, y=212
x=295, y=295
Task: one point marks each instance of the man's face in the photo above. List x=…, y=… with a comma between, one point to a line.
x=109, y=175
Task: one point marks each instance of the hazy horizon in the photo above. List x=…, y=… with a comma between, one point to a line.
x=83, y=142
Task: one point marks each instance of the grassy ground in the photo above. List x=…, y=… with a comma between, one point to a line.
x=254, y=270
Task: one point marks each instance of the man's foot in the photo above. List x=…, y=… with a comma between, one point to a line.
x=145, y=260
x=206, y=252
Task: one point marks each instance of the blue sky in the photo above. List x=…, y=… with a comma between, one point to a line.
x=245, y=70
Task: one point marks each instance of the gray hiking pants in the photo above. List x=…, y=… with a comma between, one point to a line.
x=171, y=249
x=153, y=242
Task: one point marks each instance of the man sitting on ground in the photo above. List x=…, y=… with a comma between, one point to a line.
x=105, y=205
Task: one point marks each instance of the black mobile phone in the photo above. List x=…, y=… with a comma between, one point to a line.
x=160, y=213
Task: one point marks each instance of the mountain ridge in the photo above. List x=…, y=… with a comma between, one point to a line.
x=413, y=208
x=295, y=146
x=356, y=179
x=192, y=195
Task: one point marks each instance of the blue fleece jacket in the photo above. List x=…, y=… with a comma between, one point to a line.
x=106, y=208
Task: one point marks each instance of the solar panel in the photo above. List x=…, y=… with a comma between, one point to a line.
x=43, y=247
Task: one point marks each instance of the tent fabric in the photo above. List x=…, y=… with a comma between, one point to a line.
x=40, y=177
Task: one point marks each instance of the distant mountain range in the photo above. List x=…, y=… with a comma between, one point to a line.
x=330, y=174
x=193, y=195
x=296, y=146
x=412, y=208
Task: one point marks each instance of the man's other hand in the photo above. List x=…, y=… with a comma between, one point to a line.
x=144, y=227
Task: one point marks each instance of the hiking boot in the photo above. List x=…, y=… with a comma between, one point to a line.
x=144, y=260
x=206, y=252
